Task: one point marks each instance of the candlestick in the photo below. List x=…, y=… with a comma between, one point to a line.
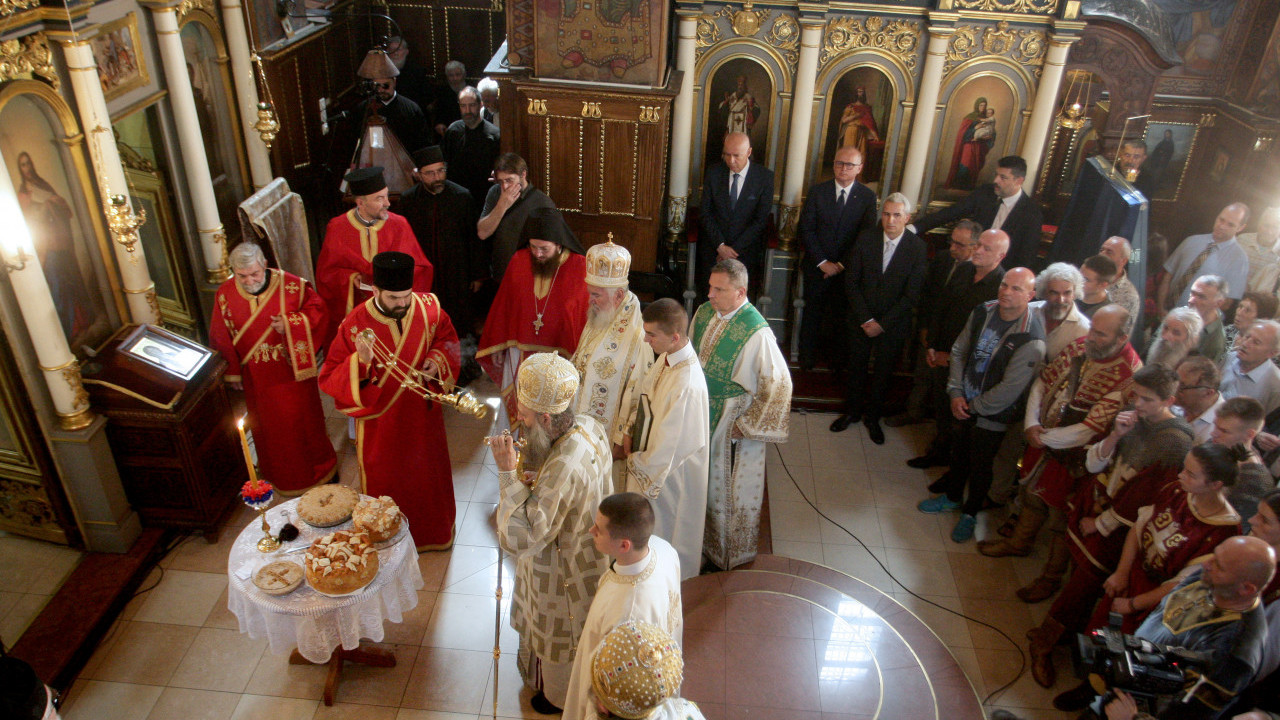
x=248, y=458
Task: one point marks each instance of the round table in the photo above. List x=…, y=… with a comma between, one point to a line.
x=318, y=628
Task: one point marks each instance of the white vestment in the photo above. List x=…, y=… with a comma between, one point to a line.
x=761, y=414
x=648, y=590
x=676, y=709
x=669, y=424
x=607, y=360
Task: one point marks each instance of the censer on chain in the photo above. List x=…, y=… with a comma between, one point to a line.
x=415, y=381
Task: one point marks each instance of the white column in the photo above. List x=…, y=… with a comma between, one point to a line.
x=801, y=119
x=194, y=161
x=96, y=121
x=246, y=91
x=682, y=122
x=57, y=364
x=926, y=107
x=1043, y=111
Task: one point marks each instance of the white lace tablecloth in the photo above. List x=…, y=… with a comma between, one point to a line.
x=313, y=623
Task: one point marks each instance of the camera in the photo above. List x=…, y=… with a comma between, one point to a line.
x=1153, y=674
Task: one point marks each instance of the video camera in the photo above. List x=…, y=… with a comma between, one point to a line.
x=1153, y=674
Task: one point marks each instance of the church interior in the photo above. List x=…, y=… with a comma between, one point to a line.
x=143, y=140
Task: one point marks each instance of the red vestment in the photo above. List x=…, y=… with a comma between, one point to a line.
x=279, y=376
x=346, y=261
x=400, y=438
x=559, y=305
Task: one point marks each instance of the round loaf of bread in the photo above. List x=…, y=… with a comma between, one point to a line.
x=327, y=505
x=341, y=562
x=278, y=578
x=379, y=517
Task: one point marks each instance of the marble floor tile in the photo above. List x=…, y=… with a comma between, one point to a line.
x=258, y=707
x=146, y=653
x=183, y=597
x=218, y=659
x=185, y=704
x=98, y=700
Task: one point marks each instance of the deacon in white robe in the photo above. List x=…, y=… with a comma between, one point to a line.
x=611, y=352
x=749, y=391
x=642, y=583
x=667, y=427
x=544, y=518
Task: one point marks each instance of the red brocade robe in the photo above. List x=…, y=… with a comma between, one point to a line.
x=1095, y=403
x=347, y=256
x=279, y=376
x=400, y=437
x=511, y=323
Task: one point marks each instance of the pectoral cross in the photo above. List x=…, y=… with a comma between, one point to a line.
x=537, y=325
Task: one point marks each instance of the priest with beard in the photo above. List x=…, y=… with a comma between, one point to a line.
x=442, y=215
x=1179, y=334
x=400, y=439
x=612, y=352
x=544, y=518
x=541, y=305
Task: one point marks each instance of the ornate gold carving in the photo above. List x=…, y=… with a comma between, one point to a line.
x=78, y=420
x=25, y=504
x=27, y=55
x=537, y=107
x=650, y=113
x=1032, y=7
x=999, y=40
x=676, y=210
x=71, y=376
x=9, y=7
x=745, y=22
x=591, y=110
x=1208, y=120
x=899, y=38
x=220, y=274
x=785, y=37
x=788, y=218
x=1025, y=47
x=708, y=32
x=267, y=126
x=124, y=224
x=189, y=5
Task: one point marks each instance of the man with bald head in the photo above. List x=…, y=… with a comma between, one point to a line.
x=737, y=199
x=1122, y=292
x=1248, y=369
x=1263, y=248
x=1215, y=611
x=1216, y=253
x=835, y=213
x=992, y=363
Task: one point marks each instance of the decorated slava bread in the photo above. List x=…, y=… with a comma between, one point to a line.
x=327, y=505
x=278, y=578
x=379, y=517
x=341, y=562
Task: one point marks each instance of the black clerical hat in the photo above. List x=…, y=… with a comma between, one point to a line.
x=548, y=224
x=393, y=271
x=365, y=181
x=429, y=155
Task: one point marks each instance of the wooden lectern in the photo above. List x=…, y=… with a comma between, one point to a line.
x=170, y=427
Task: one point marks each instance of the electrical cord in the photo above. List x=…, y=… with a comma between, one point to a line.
x=1022, y=657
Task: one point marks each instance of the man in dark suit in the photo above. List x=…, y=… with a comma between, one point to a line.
x=737, y=197
x=884, y=273
x=835, y=213
x=1000, y=205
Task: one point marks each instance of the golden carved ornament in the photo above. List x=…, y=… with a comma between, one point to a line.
x=1032, y=7
x=746, y=22
x=788, y=219
x=9, y=7
x=537, y=107
x=124, y=224
x=899, y=38
x=677, y=208
x=1025, y=47
x=650, y=113
x=708, y=33
x=30, y=54
x=189, y=5
x=999, y=40
x=784, y=35
x=71, y=375
x=267, y=126
x=591, y=110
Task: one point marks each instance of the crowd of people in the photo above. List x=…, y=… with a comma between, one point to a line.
x=643, y=430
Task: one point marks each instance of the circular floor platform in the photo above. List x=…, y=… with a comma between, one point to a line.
x=783, y=638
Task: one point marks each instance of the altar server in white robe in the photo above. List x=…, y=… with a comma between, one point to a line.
x=667, y=427
x=642, y=583
x=749, y=392
x=611, y=352
x=636, y=673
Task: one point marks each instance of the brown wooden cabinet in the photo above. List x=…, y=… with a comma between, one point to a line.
x=174, y=439
x=600, y=152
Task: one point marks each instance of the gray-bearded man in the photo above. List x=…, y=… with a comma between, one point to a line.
x=1179, y=334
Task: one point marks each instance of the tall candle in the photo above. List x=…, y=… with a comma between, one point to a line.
x=248, y=458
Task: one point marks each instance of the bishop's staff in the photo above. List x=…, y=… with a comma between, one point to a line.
x=500, y=443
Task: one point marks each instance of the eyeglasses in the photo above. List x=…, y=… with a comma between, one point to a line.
x=841, y=165
x=1182, y=387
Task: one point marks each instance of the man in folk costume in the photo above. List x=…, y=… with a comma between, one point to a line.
x=353, y=238
x=1071, y=406
x=400, y=438
x=749, y=389
x=544, y=517
x=612, y=351
x=541, y=305
x=666, y=429
x=642, y=583
x=266, y=324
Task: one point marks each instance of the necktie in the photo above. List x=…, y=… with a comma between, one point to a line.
x=840, y=200
x=1190, y=275
x=888, y=255
x=733, y=190
x=1001, y=215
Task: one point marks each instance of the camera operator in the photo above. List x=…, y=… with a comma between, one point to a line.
x=1216, y=611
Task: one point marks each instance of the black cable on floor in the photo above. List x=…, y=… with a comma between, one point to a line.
x=1022, y=658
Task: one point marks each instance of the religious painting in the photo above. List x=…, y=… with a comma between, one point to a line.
x=975, y=134
x=1169, y=147
x=861, y=102
x=609, y=41
x=56, y=213
x=739, y=98
x=118, y=55
x=1198, y=28
x=1218, y=170
x=215, y=111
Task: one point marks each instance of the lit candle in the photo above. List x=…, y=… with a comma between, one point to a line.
x=248, y=459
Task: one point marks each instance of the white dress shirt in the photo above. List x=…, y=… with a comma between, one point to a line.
x=890, y=247
x=1006, y=207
